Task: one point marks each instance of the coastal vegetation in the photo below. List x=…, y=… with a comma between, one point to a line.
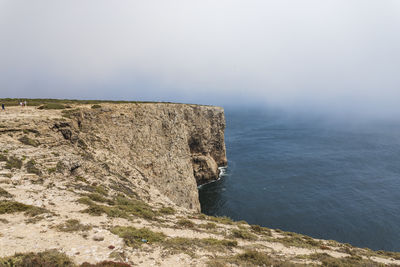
x=72, y=225
x=52, y=258
x=31, y=167
x=53, y=106
x=13, y=163
x=167, y=210
x=189, y=246
x=4, y=193
x=119, y=206
x=28, y=141
x=134, y=237
x=243, y=234
x=7, y=206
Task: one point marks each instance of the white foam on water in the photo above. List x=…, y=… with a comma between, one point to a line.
x=222, y=173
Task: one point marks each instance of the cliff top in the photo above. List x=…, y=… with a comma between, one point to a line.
x=65, y=102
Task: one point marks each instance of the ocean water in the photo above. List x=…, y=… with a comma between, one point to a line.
x=328, y=179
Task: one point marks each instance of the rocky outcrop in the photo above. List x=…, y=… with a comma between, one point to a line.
x=172, y=146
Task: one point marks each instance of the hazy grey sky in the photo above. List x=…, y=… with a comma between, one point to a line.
x=323, y=55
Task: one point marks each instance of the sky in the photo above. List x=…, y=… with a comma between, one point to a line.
x=330, y=56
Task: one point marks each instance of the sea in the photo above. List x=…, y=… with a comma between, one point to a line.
x=327, y=178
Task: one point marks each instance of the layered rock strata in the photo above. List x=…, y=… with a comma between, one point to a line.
x=172, y=146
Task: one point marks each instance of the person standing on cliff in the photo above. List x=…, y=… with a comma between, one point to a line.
x=3, y=107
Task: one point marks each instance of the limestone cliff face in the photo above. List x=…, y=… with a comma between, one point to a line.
x=174, y=147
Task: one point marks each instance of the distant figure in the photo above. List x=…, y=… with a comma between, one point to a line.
x=3, y=107
x=20, y=103
x=25, y=103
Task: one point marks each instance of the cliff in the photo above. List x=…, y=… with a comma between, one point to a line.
x=174, y=147
x=118, y=182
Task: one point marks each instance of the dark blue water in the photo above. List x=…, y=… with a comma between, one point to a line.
x=332, y=180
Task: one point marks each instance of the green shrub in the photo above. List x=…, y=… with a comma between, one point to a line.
x=186, y=223
x=297, y=240
x=70, y=113
x=13, y=163
x=243, y=234
x=167, y=210
x=52, y=106
x=134, y=237
x=96, y=106
x=391, y=254
x=260, y=229
x=7, y=207
x=208, y=226
x=79, y=178
x=72, y=225
x=3, y=158
x=191, y=245
x=48, y=258
x=4, y=193
x=352, y=261
x=28, y=141
x=219, y=242
x=60, y=167
x=101, y=190
x=97, y=197
x=31, y=168
x=106, y=264
x=119, y=207
x=254, y=257
x=223, y=220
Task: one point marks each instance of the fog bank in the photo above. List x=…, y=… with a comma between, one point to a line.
x=330, y=57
